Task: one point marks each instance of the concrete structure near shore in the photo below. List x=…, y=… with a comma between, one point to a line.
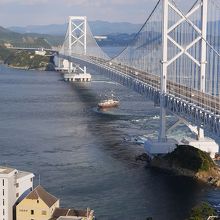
x=14, y=186
x=205, y=144
x=62, y=65
x=72, y=73
x=81, y=77
x=153, y=148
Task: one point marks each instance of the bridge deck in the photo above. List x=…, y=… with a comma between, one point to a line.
x=201, y=99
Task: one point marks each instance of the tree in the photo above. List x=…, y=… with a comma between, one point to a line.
x=202, y=211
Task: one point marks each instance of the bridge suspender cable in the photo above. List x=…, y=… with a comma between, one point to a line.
x=137, y=32
x=194, y=27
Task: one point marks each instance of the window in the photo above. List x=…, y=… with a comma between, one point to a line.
x=17, y=195
x=44, y=212
x=32, y=212
x=3, y=192
x=3, y=202
x=3, y=182
x=17, y=185
x=23, y=210
x=3, y=212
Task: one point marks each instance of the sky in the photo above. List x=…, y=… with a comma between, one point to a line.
x=43, y=12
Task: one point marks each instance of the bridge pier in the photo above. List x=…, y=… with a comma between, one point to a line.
x=200, y=134
x=77, y=75
x=162, y=132
x=72, y=73
x=63, y=65
x=201, y=142
x=162, y=145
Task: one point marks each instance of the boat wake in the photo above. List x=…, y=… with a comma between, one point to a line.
x=103, y=81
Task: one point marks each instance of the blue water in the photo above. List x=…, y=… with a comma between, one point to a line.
x=86, y=157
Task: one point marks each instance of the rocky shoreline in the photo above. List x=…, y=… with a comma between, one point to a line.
x=28, y=68
x=209, y=175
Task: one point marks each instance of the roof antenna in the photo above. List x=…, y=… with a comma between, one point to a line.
x=39, y=180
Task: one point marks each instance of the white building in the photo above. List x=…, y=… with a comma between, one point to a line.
x=8, y=45
x=99, y=37
x=41, y=52
x=14, y=185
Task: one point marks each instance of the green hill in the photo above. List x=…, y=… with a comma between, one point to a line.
x=189, y=161
x=4, y=53
x=29, y=60
x=23, y=40
x=202, y=212
x=190, y=158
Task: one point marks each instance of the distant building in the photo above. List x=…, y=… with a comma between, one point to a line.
x=8, y=45
x=37, y=205
x=41, y=52
x=72, y=214
x=14, y=185
x=99, y=37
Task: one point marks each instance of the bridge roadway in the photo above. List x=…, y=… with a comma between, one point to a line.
x=199, y=108
x=53, y=50
x=199, y=98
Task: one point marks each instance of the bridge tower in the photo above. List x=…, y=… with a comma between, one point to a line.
x=202, y=32
x=77, y=42
x=76, y=36
x=163, y=145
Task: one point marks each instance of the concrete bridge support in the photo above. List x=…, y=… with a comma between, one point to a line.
x=77, y=33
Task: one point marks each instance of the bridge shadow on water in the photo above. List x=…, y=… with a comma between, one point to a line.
x=102, y=126
x=175, y=196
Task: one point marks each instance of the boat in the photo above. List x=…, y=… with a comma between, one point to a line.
x=108, y=103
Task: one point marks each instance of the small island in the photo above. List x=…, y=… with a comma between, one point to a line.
x=203, y=211
x=188, y=161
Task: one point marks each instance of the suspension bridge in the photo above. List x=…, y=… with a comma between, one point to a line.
x=174, y=60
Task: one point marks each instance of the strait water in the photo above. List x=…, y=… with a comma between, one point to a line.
x=86, y=157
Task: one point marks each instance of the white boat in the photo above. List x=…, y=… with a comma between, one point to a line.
x=108, y=103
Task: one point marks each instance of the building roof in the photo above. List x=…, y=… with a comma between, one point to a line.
x=61, y=212
x=6, y=170
x=40, y=193
x=22, y=174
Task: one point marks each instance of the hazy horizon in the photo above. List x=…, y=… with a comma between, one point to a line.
x=66, y=23
x=44, y=12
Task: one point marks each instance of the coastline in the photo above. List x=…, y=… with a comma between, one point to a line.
x=210, y=177
x=27, y=68
x=186, y=161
